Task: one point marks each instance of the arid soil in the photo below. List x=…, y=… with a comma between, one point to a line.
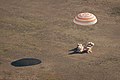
x=44, y=30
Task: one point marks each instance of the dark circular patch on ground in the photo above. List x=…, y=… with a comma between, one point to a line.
x=26, y=62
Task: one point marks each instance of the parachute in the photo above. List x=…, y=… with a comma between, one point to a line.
x=85, y=19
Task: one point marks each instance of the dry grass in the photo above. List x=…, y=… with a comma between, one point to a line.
x=43, y=29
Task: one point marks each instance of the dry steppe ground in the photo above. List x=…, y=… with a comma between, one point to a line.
x=43, y=29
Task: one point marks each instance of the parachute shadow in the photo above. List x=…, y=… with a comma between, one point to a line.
x=25, y=62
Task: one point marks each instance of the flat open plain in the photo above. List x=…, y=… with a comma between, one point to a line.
x=44, y=30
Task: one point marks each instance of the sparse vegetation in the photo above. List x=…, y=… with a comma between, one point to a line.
x=44, y=29
x=115, y=11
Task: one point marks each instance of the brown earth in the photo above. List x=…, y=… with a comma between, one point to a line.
x=43, y=29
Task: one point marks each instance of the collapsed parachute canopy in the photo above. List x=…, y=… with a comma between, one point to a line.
x=85, y=19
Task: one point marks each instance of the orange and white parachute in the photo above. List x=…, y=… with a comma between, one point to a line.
x=85, y=19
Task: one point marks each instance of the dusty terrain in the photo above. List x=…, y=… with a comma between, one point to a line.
x=43, y=29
